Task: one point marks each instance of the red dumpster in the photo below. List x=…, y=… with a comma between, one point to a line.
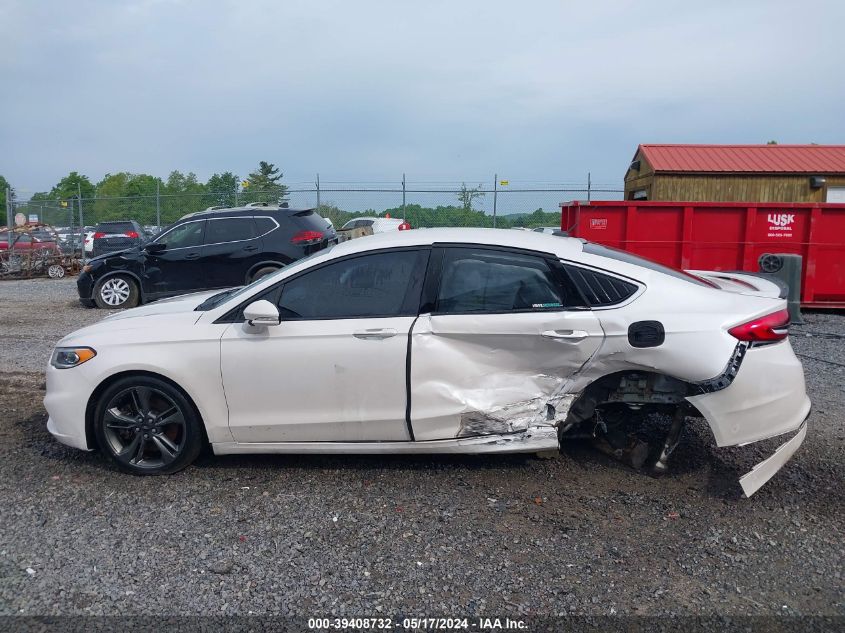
x=723, y=236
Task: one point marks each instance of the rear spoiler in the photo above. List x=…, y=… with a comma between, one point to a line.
x=745, y=283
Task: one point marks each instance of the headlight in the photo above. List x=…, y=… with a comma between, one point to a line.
x=67, y=357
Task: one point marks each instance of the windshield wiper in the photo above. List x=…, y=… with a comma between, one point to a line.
x=214, y=300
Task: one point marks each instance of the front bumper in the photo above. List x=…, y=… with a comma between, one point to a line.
x=68, y=391
x=85, y=288
x=767, y=398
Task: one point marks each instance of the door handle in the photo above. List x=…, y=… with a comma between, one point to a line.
x=192, y=256
x=567, y=335
x=374, y=334
x=250, y=248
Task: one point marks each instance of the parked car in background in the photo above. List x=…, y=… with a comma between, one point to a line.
x=30, y=242
x=436, y=341
x=110, y=237
x=89, y=242
x=549, y=230
x=378, y=225
x=206, y=250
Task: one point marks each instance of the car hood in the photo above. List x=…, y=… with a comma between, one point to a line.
x=158, y=316
x=182, y=303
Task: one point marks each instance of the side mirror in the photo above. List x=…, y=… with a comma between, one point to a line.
x=261, y=313
x=155, y=247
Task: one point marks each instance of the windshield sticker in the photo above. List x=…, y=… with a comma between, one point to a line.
x=546, y=305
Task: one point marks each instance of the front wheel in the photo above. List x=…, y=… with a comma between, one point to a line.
x=116, y=292
x=147, y=426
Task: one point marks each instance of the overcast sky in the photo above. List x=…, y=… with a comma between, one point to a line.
x=444, y=91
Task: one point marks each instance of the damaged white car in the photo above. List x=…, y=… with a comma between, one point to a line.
x=435, y=341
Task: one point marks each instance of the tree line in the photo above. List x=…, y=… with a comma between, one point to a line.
x=143, y=197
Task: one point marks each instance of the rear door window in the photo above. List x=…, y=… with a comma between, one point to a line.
x=229, y=230
x=479, y=280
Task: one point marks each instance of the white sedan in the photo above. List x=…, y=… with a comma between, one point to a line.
x=436, y=341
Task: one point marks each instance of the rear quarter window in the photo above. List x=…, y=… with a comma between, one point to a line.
x=264, y=226
x=598, y=289
x=629, y=258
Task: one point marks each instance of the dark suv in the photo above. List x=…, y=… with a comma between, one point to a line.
x=118, y=235
x=211, y=249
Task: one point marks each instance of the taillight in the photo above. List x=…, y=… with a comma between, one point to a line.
x=306, y=236
x=97, y=236
x=772, y=327
x=132, y=234
x=404, y=226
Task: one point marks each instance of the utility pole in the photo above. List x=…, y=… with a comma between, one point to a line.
x=404, y=218
x=81, y=219
x=158, y=206
x=589, y=185
x=318, y=192
x=9, y=221
x=495, y=195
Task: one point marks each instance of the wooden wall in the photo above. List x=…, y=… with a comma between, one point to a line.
x=726, y=187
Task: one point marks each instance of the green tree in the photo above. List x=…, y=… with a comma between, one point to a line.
x=223, y=188
x=125, y=196
x=4, y=184
x=466, y=196
x=264, y=185
x=71, y=185
x=177, y=182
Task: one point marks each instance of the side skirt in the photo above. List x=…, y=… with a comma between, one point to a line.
x=534, y=439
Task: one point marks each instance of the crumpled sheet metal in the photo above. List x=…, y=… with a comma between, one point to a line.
x=462, y=389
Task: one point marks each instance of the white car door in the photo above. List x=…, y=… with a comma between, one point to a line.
x=504, y=332
x=334, y=369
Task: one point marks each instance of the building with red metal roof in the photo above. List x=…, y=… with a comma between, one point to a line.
x=737, y=173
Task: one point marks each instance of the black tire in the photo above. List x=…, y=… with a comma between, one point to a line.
x=116, y=292
x=265, y=270
x=146, y=426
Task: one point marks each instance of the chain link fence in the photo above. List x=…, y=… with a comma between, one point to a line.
x=422, y=204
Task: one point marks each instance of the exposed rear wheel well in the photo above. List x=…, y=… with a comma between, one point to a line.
x=632, y=389
x=90, y=436
x=610, y=411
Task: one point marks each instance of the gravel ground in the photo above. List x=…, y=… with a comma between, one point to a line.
x=346, y=535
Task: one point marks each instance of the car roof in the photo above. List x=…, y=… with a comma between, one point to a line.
x=237, y=212
x=558, y=245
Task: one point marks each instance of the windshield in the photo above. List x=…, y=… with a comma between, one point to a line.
x=222, y=297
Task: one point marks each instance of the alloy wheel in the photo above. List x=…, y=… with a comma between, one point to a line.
x=115, y=291
x=144, y=428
